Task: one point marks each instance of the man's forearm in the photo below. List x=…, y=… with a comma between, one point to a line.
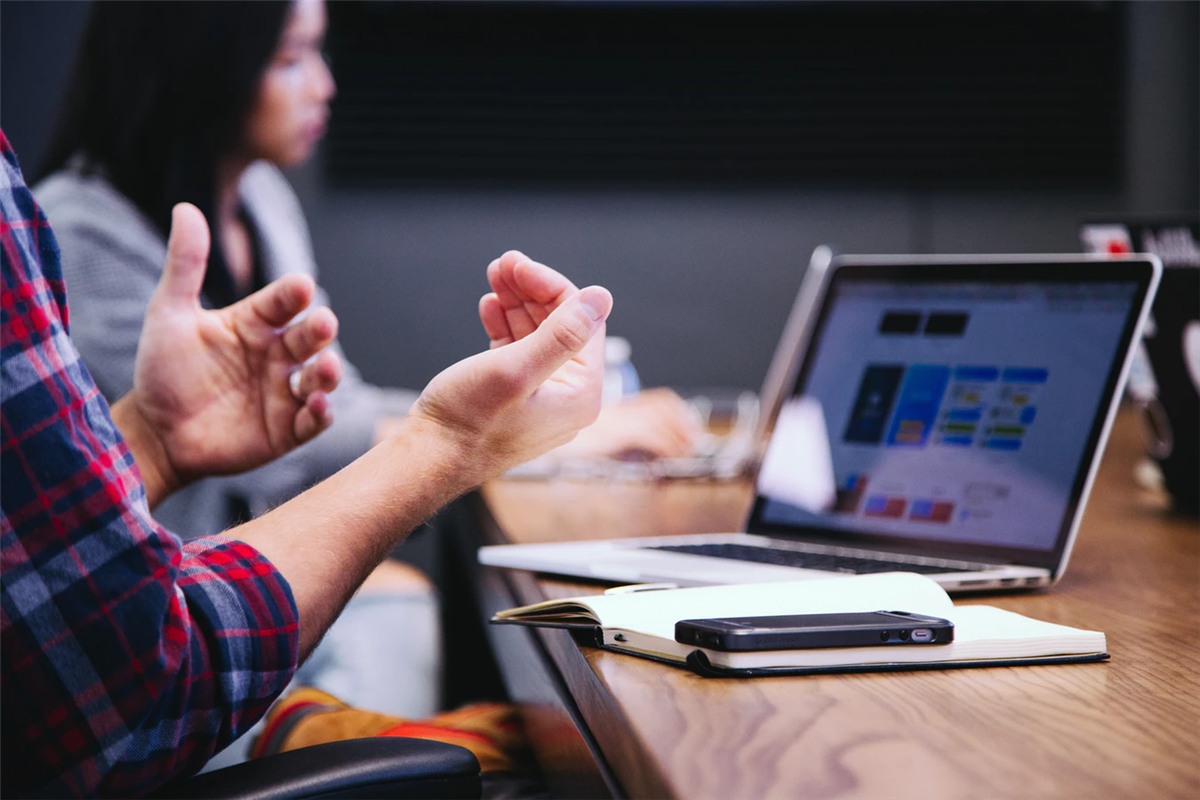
x=327, y=540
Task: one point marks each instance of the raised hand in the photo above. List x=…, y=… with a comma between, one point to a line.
x=657, y=422
x=523, y=295
x=214, y=391
x=540, y=382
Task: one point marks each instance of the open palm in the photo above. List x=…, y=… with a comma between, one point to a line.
x=216, y=386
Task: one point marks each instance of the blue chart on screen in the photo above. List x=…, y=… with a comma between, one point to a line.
x=919, y=401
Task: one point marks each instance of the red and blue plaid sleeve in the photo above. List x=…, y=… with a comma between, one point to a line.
x=128, y=657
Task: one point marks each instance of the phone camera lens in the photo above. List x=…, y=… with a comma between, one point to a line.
x=884, y=636
x=904, y=636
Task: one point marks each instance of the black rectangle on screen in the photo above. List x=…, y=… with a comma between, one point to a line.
x=900, y=322
x=946, y=324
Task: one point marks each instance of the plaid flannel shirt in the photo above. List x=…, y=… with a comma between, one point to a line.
x=128, y=657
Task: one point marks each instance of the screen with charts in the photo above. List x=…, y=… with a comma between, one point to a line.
x=959, y=411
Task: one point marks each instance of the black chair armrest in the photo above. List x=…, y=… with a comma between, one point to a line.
x=368, y=768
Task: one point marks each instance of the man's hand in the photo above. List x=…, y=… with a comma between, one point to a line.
x=540, y=382
x=211, y=391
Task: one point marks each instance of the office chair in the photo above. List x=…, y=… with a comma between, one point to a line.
x=382, y=767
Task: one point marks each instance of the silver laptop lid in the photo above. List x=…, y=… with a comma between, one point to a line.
x=966, y=401
x=781, y=375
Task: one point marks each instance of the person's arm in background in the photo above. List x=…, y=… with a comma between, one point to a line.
x=654, y=423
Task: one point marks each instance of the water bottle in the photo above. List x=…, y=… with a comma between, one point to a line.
x=620, y=378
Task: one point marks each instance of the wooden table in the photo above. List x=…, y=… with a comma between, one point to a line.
x=607, y=724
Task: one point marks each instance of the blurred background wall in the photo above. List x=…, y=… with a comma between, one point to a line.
x=704, y=257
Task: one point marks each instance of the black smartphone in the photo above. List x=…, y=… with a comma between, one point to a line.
x=803, y=631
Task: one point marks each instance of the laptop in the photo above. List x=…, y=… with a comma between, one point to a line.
x=1165, y=377
x=964, y=403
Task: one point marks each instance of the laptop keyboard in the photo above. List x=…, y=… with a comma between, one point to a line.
x=798, y=558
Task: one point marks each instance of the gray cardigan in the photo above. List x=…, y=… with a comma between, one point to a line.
x=112, y=258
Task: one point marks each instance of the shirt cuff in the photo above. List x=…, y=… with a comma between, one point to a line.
x=250, y=617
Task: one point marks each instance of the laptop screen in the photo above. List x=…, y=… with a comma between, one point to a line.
x=960, y=413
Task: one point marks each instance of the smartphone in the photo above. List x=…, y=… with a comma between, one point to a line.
x=803, y=631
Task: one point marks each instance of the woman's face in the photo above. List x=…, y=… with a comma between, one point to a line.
x=292, y=108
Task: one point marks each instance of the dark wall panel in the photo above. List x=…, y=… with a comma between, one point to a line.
x=864, y=94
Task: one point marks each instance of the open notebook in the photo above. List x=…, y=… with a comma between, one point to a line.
x=642, y=623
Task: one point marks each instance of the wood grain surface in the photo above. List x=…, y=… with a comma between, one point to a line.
x=1126, y=728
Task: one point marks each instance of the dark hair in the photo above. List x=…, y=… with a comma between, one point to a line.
x=159, y=95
